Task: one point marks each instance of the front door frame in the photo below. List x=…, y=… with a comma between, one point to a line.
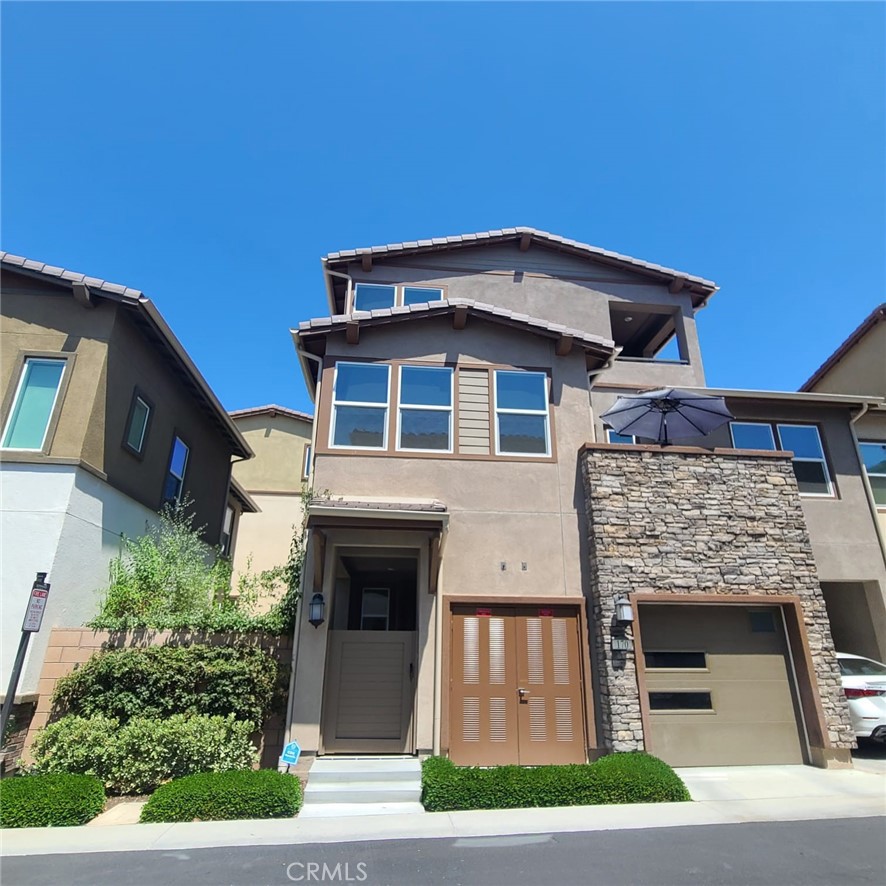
x=580, y=603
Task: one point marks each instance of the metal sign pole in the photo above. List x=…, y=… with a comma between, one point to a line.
x=31, y=624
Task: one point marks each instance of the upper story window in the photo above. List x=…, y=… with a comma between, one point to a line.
x=227, y=533
x=615, y=437
x=522, y=425
x=810, y=464
x=370, y=296
x=34, y=404
x=360, y=397
x=306, y=463
x=175, y=476
x=425, y=410
x=874, y=457
x=137, y=424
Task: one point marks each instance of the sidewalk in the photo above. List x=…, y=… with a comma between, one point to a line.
x=724, y=795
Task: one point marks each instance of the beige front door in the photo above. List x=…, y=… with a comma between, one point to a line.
x=719, y=685
x=369, y=692
x=515, y=686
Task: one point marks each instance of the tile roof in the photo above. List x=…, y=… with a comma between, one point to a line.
x=876, y=316
x=271, y=410
x=446, y=306
x=459, y=240
x=95, y=283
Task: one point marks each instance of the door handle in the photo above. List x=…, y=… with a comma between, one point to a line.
x=523, y=693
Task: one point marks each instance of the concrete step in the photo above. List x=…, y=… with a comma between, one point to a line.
x=335, y=810
x=329, y=770
x=348, y=791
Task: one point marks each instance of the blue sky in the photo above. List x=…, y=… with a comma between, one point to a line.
x=210, y=153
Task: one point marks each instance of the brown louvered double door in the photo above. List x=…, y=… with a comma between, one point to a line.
x=515, y=686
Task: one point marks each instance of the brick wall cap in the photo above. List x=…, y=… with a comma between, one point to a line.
x=685, y=450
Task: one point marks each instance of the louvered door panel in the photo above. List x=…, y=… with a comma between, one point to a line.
x=483, y=672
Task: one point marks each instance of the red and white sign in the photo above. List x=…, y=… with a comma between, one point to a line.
x=36, y=608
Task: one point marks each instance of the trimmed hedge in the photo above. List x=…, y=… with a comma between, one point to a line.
x=619, y=778
x=41, y=801
x=158, y=681
x=143, y=753
x=220, y=796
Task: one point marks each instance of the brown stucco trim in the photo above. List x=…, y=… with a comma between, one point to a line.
x=450, y=600
x=686, y=450
x=24, y=354
x=801, y=655
x=35, y=458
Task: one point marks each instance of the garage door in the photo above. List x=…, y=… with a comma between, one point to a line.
x=515, y=686
x=719, y=686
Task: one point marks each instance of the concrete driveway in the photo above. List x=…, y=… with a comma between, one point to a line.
x=870, y=756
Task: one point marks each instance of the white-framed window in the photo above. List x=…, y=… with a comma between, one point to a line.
x=874, y=456
x=360, y=397
x=375, y=609
x=175, y=476
x=137, y=424
x=522, y=423
x=371, y=296
x=306, y=463
x=227, y=530
x=810, y=465
x=752, y=435
x=34, y=404
x=424, y=416
x=614, y=437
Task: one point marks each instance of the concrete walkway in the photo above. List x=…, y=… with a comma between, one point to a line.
x=723, y=795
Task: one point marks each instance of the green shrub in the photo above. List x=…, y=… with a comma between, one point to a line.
x=618, y=778
x=40, y=801
x=218, y=796
x=162, y=680
x=136, y=757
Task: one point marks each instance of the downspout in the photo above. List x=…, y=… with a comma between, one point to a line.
x=872, y=504
x=438, y=646
x=349, y=308
x=592, y=374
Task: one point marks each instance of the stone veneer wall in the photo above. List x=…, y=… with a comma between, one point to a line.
x=70, y=647
x=684, y=521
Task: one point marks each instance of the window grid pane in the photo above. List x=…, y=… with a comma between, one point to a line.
x=360, y=405
x=138, y=424
x=34, y=402
x=752, y=435
x=416, y=295
x=371, y=296
x=810, y=466
x=521, y=413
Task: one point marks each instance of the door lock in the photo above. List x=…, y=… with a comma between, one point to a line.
x=523, y=693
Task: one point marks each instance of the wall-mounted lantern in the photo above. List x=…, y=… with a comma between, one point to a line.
x=624, y=612
x=317, y=610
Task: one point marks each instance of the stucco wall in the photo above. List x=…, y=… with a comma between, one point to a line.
x=278, y=442
x=668, y=522
x=61, y=520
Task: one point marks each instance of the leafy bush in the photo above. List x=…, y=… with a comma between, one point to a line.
x=218, y=796
x=40, y=801
x=162, y=680
x=136, y=757
x=170, y=579
x=618, y=778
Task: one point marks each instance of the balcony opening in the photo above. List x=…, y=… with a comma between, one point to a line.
x=647, y=333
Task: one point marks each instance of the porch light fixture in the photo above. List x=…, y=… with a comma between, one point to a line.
x=316, y=611
x=624, y=612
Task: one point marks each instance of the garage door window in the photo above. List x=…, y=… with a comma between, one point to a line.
x=762, y=622
x=675, y=660
x=680, y=701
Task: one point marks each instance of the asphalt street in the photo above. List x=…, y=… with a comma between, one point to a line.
x=841, y=852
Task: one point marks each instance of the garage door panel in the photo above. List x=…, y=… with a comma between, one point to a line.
x=753, y=716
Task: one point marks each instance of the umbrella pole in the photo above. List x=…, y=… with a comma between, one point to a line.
x=665, y=417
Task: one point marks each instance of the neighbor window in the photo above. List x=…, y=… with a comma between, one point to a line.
x=227, y=531
x=374, y=614
x=34, y=404
x=306, y=463
x=137, y=425
x=425, y=417
x=521, y=413
x=360, y=397
x=370, y=296
x=615, y=437
x=175, y=478
x=809, y=461
x=874, y=456
x=810, y=466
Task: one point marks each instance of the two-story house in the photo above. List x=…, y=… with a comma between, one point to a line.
x=493, y=575
x=104, y=419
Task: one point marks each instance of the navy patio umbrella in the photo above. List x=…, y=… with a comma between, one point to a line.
x=668, y=414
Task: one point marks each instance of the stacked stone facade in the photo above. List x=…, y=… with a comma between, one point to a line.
x=690, y=521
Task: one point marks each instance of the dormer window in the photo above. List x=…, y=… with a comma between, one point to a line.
x=372, y=296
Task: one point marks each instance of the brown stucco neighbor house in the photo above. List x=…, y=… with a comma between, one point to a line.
x=479, y=523
x=104, y=418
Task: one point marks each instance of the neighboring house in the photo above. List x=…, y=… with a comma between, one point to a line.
x=858, y=366
x=275, y=480
x=104, y=419
x=479, y=525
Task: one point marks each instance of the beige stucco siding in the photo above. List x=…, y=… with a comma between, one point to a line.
x=862, y=370
x=278, y=442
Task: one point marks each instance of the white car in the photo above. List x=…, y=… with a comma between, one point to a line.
x=864, y=684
